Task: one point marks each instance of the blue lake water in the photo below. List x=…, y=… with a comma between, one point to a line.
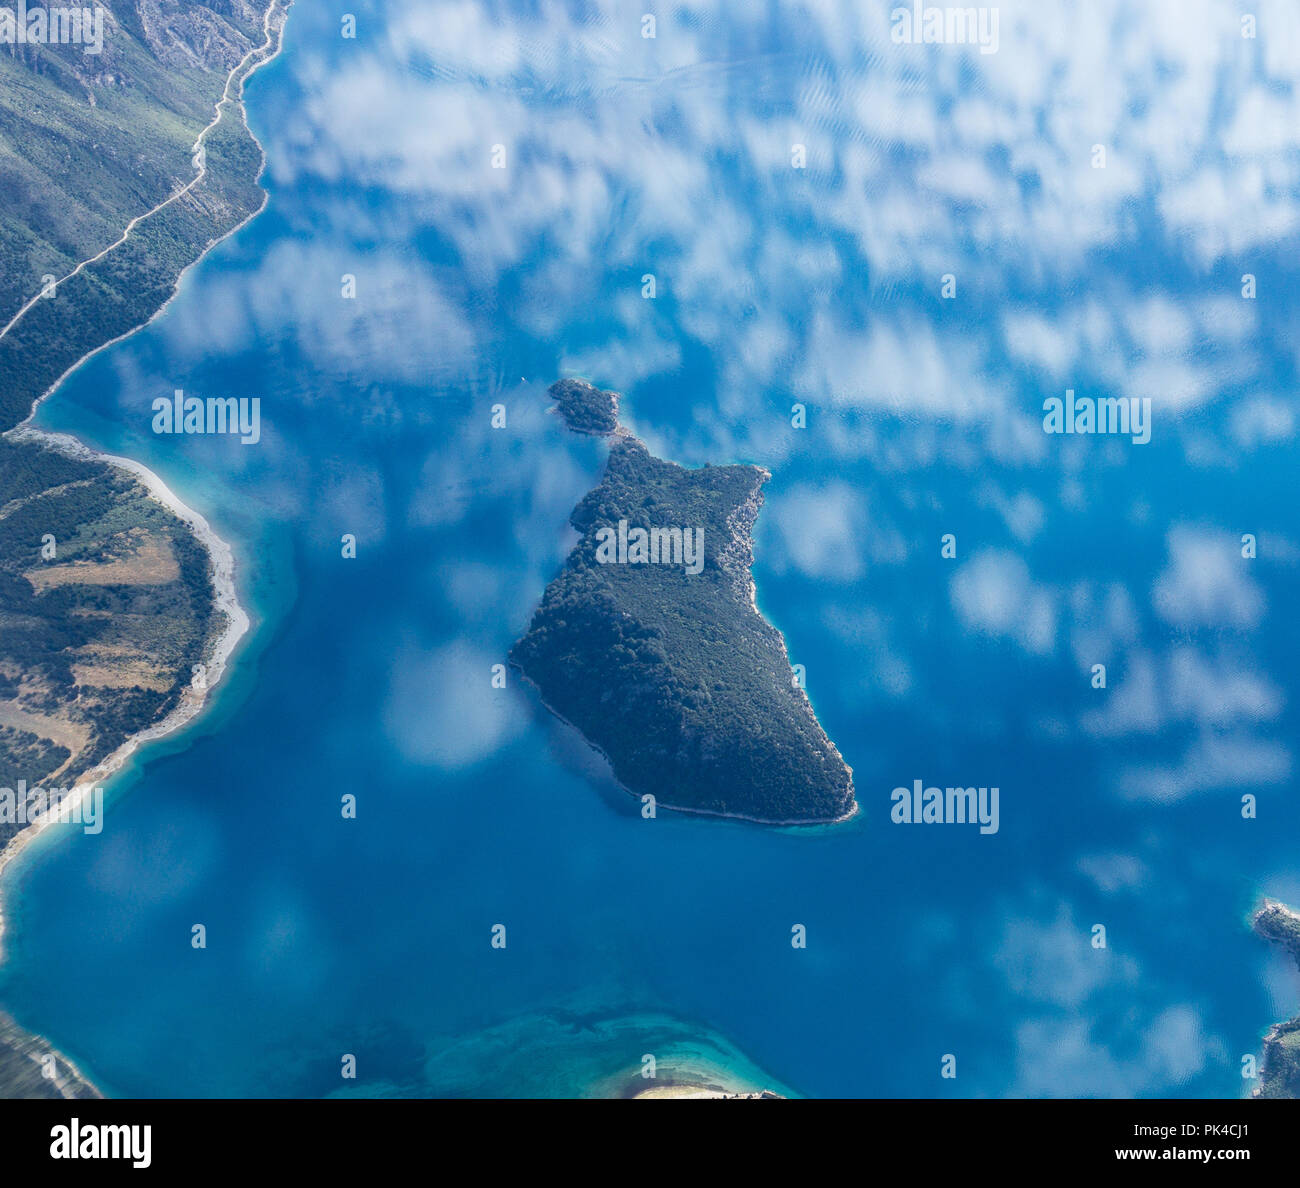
x=477, y=287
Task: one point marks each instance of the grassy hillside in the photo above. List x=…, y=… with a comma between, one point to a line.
x=86, y=145
x=89, y=141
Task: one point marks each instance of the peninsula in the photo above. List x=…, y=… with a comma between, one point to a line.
x=118, y=610
x=650, y=641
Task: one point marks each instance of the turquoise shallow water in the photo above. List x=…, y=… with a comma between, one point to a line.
x=372, y=677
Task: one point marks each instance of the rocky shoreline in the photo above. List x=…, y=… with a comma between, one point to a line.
x=1280, y=1066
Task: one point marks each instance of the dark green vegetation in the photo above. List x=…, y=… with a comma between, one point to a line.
x=676, y=677
x=585, y=408
x=1281, y=1073
x=24, y=755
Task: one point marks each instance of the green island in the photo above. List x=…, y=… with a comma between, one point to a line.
x=663, y=662
x=585, y=408
x=118, y=170
x=1280, y=1076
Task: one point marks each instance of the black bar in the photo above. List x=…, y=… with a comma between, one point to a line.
x=337, y=1137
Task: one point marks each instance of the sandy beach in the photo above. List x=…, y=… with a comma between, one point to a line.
x=225, y=603
x=24, y=1060
x=701, y=1092
x=695, y=1076
x=192, y=701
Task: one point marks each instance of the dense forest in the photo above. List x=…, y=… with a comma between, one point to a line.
x=675, y=676
x=584, y=407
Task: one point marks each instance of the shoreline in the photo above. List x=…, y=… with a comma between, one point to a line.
x=695, y=1091
x=756, y=499
x=803, y=822
x=225, y=596
x=71, y=1083
x=276, y=6
x=225, y=602
x=1264, y=909
x=683, y=1075
x=221, y=648
x=192, y=703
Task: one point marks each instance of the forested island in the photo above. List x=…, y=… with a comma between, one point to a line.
x=585, y=408
x=659, y=655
